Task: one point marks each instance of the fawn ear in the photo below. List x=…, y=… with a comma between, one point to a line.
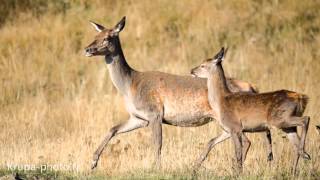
x=220, y=55
x=98, y=27
x=120, y=25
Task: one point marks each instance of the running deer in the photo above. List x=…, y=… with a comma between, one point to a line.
x=239, y=112
x=152, y=98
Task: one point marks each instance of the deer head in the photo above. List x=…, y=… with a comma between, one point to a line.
x=106, y=40
x=203, y=70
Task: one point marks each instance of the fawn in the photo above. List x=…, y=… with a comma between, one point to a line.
x=239, y=112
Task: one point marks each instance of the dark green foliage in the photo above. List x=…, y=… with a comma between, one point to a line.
x=10, y=8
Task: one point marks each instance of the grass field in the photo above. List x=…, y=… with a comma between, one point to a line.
x=56, y=105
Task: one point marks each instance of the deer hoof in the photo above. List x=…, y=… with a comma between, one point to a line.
x=270, y=157
x=194, y=173
x=196, y=166
x=306, y=156
x=94, y=164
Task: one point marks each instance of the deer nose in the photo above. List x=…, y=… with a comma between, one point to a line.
x=91, y=50
x=192, y=73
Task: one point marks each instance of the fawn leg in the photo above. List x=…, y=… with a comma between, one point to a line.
x=270, y=154
x=245, y=146
x=290, y=127
x=237, y=140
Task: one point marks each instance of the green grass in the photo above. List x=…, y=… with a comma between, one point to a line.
x=150, y=174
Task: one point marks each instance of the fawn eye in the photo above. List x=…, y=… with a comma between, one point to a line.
x=202, y=66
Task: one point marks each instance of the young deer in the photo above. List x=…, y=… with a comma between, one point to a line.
x=249, y=112
x=152, y=98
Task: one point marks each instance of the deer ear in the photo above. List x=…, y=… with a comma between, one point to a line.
x=98, y=27
x=220, y=55
x=120, y=25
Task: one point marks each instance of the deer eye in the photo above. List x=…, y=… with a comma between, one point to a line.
x=202, y=66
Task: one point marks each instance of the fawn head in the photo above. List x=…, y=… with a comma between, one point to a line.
x=106, y=40
x=203, y=70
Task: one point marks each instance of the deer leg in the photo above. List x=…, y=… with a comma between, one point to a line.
x=291, y=130
x=304, y=132
x=269, y=146
x=222, y=137
x=270, y=154
x=237, y=140
x=132, y=124
x=245, y=146
x=295, y=140
x=157, y=141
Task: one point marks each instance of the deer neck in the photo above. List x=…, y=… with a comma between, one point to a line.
x=217, y=88
x=119, y=70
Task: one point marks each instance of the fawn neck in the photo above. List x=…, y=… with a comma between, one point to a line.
x=217, y=87
x=119, y=70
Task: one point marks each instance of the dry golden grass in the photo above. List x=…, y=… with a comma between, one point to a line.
x=56, y=105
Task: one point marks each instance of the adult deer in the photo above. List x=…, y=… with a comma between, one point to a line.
x=239, y=112
x=152, y=98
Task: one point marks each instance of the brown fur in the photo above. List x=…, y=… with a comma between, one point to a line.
x=152, y=98
x=238, y=112
x=266, y=104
